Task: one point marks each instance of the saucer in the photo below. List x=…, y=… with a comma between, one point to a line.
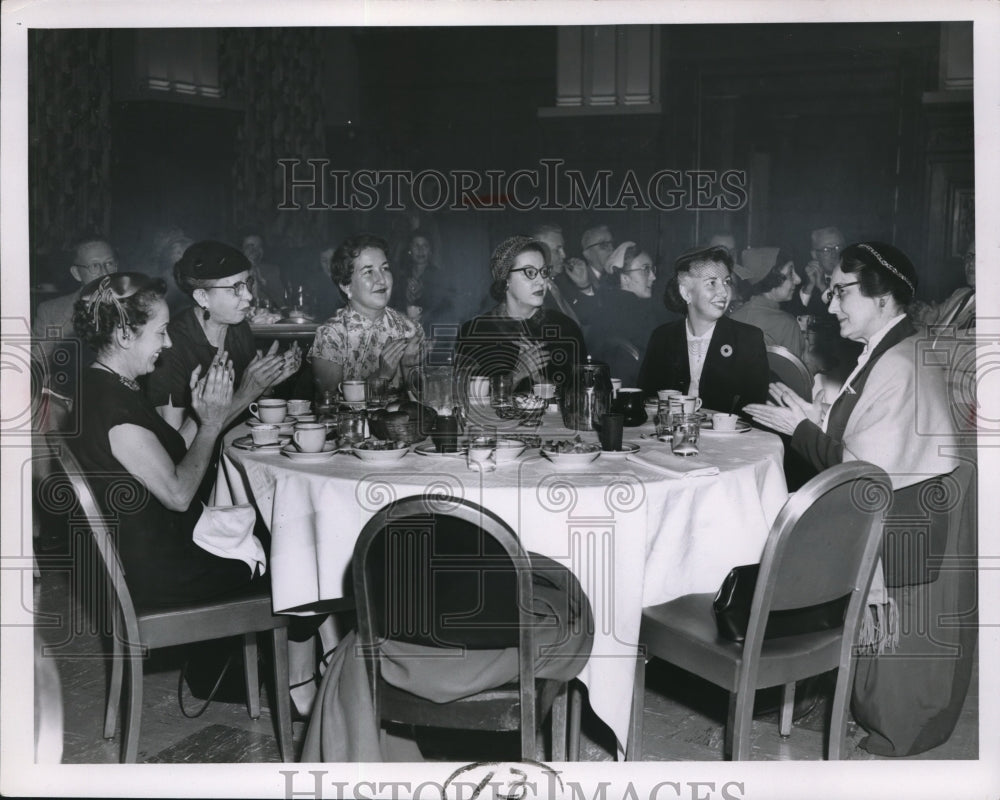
x=329, y=450
x=246, y=443
x=627, y=449
x=430, y=450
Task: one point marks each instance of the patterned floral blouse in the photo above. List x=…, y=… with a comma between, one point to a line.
x=355, y=342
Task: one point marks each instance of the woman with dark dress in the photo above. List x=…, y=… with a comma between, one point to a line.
x=707, y=354
x=217, y=279
x=520, y=337
x=140, y=467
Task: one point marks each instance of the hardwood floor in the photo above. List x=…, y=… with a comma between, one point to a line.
x=684, y=715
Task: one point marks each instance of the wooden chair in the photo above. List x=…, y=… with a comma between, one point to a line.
x=136, y=630
x=823, y=545
x=447, y=572
x=789, y=369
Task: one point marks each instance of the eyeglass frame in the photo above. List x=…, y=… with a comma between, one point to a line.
x=236, y=288
x=533, y=272
x=111, y=265
x=837, y=289
x=829, y=248
x=649, y=269
x=605, y=243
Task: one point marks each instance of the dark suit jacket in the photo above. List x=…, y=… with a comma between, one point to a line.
x=736, y=364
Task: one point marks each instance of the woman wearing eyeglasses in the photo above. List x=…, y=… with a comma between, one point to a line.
x=877, y=415
x=631, y=314
x=519, y=336
x=217, y=279
x=893, y=411
x=706, y=353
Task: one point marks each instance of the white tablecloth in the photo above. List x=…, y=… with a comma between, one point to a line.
x=631, y=535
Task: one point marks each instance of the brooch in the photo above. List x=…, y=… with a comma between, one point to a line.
x=726, y=350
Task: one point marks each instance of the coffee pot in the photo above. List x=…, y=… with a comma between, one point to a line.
x=587, y=396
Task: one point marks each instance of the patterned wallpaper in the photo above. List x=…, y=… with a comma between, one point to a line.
x=69, y=129
x=276, y=74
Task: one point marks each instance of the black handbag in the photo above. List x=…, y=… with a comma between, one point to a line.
x=732, y=610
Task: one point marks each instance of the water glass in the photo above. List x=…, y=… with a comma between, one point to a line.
x=501, y=391
x=684, y=438
x=664, y=418
x=351, y=428
x=376, y=392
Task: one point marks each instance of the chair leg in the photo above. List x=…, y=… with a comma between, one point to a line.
x=738, y=725
x=838, y=714
x=575, y=712
x=633, y=749
x=250, y=674
x=115, y=683
x=558, y=724
x=282, y=699
x=787, y=709
x=133, y=706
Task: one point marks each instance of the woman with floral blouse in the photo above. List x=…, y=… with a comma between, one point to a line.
x=366, y=338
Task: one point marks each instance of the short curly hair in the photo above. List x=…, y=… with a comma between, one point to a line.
x=114, y=301
x=342, y=262
x=709, y=255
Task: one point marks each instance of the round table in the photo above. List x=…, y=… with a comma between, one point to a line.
x=633, y=536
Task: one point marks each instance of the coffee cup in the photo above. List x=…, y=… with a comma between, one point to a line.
x=264, y=434
x=309, y=437
x=724, y=422
x=298, y=407
x=479, y=388
x=666, y=394
x=353, y=391
x=690, y=404
x=269, y=410
x=544, y=390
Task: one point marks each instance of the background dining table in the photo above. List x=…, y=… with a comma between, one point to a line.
x=633, y=535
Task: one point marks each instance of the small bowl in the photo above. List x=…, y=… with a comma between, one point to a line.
x=572, y=460
x=508, y=450
x=380, y=456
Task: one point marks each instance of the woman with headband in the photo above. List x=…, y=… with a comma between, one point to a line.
x=893, y=411
x=876, y=415
x=520, y=337
x=137, y=462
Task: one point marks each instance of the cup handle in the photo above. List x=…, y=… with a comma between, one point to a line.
x=295, y=438
x=697, y=403
x=254, y=409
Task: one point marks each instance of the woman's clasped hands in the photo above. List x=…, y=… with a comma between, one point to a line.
x=785, y=412
x=212, y=393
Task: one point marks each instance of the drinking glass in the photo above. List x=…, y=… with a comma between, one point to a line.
x=664, y=418
x=501, y=391
x=684, y=439
x=376, y=392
